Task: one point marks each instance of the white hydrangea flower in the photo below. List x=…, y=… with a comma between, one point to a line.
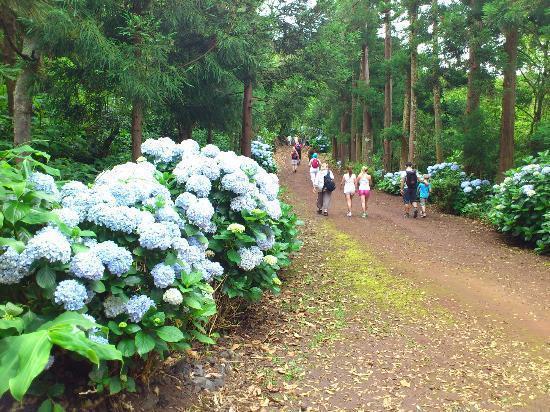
x=236, y=228
x=173, y=296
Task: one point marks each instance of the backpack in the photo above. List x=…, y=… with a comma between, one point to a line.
x=329, y=184
x=294, y=155
x=315, y=163
x=411, y=179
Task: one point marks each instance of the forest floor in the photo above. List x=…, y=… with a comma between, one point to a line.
x=388, y=313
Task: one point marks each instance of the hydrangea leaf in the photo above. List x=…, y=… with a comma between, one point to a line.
x=144, y=343
x=169, y=334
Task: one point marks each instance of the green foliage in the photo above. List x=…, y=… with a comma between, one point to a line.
x=519, y=206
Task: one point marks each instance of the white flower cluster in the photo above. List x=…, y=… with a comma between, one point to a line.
x=525, y=179
x=12, y=268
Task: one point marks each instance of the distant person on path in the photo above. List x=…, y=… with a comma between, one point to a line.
x=348, y=183
x=294, y=159
x=314, y=165
x=298, y=148
x=324, y=186
x=424, y=190
x=409, y=188
x=289, y=140
x=364, y=183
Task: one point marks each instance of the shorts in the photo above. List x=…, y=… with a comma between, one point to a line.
x=365, y=193
x=423, y=201
x=409, y=195
x=349, y=190
x=294, y=162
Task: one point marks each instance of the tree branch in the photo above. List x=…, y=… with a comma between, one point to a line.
x=12, y=45
x=210, y=48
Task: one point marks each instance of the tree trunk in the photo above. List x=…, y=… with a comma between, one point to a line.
x=335, y=152
x=414, y=75
x=185, y=131
x=22, y=98
x=8, y=54
x=506, y=158
x=406, y=122
x=472, y=98
x=388, y=88
x=353, y=132
x=137, y=128
x=344, y=130
x=367, y=141
x=246, y=136
x=209, y=135
x=436, y=83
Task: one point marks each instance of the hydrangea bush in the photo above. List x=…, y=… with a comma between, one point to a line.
x=263, y=154
x=141, y=249
x=520, y=204
x=390, y=182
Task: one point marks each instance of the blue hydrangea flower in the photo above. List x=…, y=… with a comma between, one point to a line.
x=545, y=170
x=195, y=241
x=210, y=150
x=98, y=339
x=237, y=182
x=468, y=189
x=273, y=209
x=476, y=182
x=138, y=306
x=181, y=266
x=465, y=184
x=267, y=242
x=485, y=182
x=158, y=235
x=49, y=244
x=163, y=150
x=169, y=214
x=198, y=184
x=117, y=259
x=68, y=216
x=189, y=147
x=244, y=202
x=268, y=185
x=455, y=167
x=163, y=275
x=87, y=265
x=250, y=257
x=185, y=199
x=213, y=269
x=72, y=188
x=70, y=294
x=191, y=255
x=114, y=306
x=44, y=183
x=12, y=269
x=200, y=213
x=210, y=169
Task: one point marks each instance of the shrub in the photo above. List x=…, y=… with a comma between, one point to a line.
x=263, y=154
x=141, y=250
x=390, y=183
x=321, y=143
x=520, y=203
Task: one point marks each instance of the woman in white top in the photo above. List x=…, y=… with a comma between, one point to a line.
x=314, y=165
x=348, y=183
x=364, y=182
x=323, y=194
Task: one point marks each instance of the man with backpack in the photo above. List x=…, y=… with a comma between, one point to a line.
x=324, y=186
x=409, y=189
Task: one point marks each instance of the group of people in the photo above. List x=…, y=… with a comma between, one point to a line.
x=413, y=189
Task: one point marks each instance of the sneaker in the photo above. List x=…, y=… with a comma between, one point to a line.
x=325, y=213
x=319, y=211
x=415, y=213
x=423, y=215
x=349, y=214
x=406, y=216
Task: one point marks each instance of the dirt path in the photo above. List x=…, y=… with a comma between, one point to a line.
x=468, y=265
x=383, y=314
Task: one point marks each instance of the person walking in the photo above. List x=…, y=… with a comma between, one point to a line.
x=424, y=190
x=294, y=159
x=298, y=148
x=314, y=165
x=348, y=183
x=364, y=183
x=324, y=186
x=409, y=188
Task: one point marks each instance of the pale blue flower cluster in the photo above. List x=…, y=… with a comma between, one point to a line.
x=267, y=241
x=94, y=337
x=250, y=257
x=117, y=259
x=138, y=306
x=158, y=235
x=71, y=294
x=263, y=154
x=68, y=216
x=210, y=150
x=200, y=213
x=87, y=265
x=44, y=183
x=12, y=269
x=49, y=244
x=162, y=150
x=163, y=275
x=198, y=184
x=236, y=182
x=434, y=169
x=185, y=199
x=114, y=306
x=469, y=186
x=72, y=188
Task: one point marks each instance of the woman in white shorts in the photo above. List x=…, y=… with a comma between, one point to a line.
x=348, y=183
x=314, y=164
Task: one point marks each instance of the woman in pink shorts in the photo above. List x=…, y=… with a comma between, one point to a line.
x=364, y=182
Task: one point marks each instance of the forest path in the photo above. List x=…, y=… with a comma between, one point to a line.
x=391, y=314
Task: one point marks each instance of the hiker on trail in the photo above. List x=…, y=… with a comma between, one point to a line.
x=409, y=188
x=298, y=148
x=311, y=152
x=424, y=190
x=314, y=165
x=348, y=183
x=294, y=159
x=364, y=183
x=324, y=186
x=289, y=140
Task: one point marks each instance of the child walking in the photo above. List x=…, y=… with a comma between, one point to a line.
x=294, y=158
x=348, y=183
x=364, y=182
x=424, y=190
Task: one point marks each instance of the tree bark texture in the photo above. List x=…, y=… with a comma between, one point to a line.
x=22, y=98
x=413, y=14
x=472, y=98
x=436, y=83
x=137, y=128
x=367, y=146
x=388, y=89
x=353, y=128
x=344, y=130
x=506, y=157
x=246, y=135
x=209, y=136
x=8, y=54
x=406, y=122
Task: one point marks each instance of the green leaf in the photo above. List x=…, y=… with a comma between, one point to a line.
x=192, y=302
x=127, y=347
x=144, y=343
x=170, y=334
x=191, y=279
x=46, y=406
x=14, y=211
x=37, y=217
x=1, y=220
x=16, y=244
x=233, y=256
x=45, y=278
x=18, y=324
x=115, y=386
x=132, y=328
x=12, y=309
x=203, y=338
x=98, y=286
